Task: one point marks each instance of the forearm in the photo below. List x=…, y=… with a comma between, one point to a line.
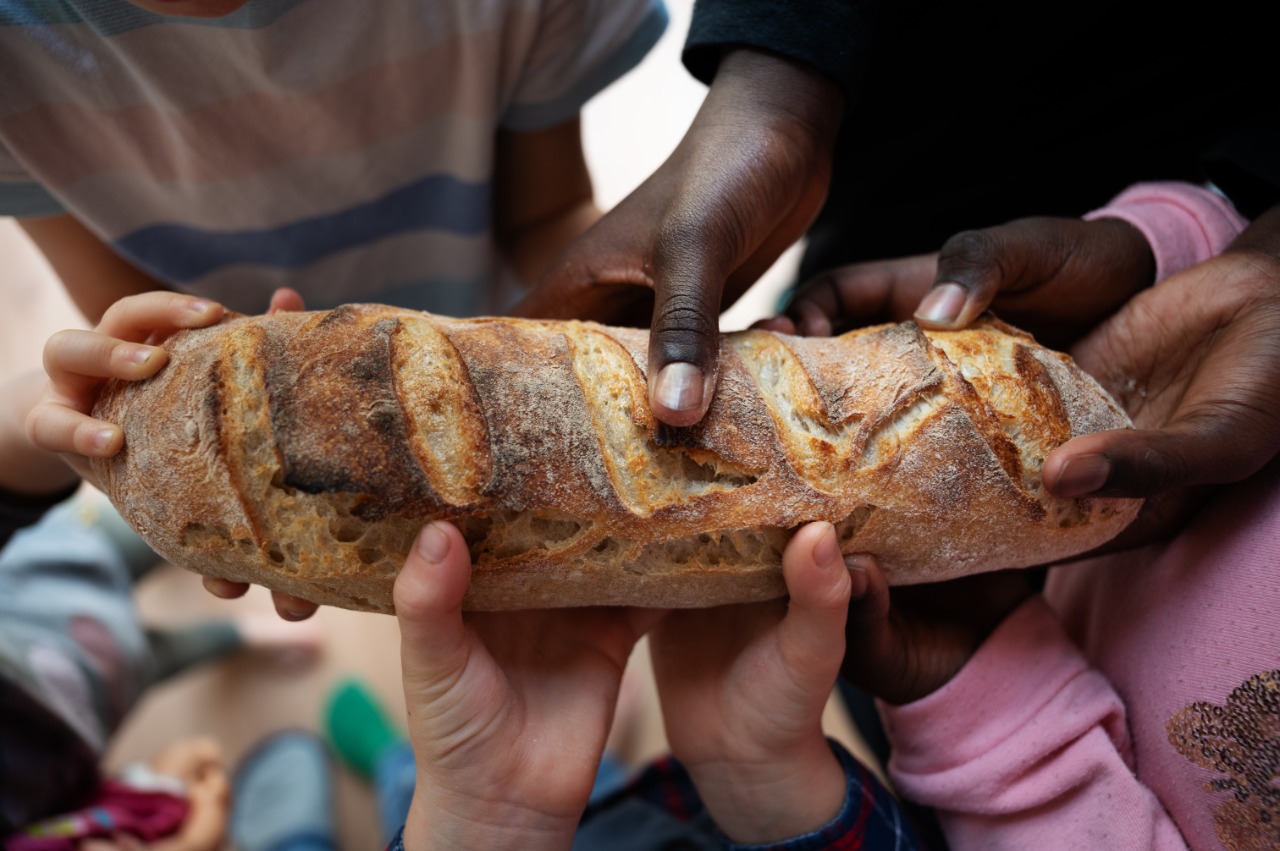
x=1036, y=758
x=543, y=198
x=93, y=274
x=24, y=468
x=531, y=251
x=832, y=37
x=1183, y=224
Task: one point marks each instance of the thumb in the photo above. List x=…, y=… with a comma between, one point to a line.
x=1140, y=463
x=1063, y=272
x=434, y=642
x=972, y=270
x=684, y=341
x=818, y=583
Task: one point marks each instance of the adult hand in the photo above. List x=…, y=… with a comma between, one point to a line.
x=1195, y=360
x=1196, y=363
x=508, y=711
x=909, y=641
x=743, y=690
x=745, y=182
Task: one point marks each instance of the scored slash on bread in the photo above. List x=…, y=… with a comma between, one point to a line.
x=304, y=451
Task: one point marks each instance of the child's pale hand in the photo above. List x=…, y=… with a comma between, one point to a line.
x=743, y=689
x=508, y=711
x=123, y=346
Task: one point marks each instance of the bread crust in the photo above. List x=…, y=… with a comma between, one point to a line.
x=303, y=451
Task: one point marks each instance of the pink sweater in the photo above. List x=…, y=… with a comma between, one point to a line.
x=1135, y=706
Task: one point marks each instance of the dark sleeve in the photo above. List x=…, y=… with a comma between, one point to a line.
x=830, y=36
x=19, y=510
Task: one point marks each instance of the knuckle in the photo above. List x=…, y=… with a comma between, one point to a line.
x=36, y=426
x=58, y=346
x=973, y=259
x=683, y=330
x=1158, y=471
x=970, y=249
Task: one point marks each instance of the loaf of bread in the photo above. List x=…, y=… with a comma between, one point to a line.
x=304, y=451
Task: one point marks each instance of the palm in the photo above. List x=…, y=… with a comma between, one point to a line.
x=1196, y=363
x=1205, y=341
x=533, y=705
x=737, y=688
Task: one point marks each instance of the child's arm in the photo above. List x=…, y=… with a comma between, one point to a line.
x=94, y=276
x=743, y=689
x=25, y=469
x=542, y=196
x=1020, y=744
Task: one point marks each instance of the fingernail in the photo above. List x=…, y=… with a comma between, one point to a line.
x=679, y=387
x=138, y=355
x=433, y=544
x=294, y=614
x=826, y=552
x=942, y=304
x=102, y=438
x=199, y=305
x=1082, y=475
x=857, y=566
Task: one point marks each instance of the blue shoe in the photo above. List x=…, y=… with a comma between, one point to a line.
x=284, y=796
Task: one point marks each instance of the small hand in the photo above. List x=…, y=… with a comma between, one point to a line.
x=508, y=711
x=744, y=183
x=743, y=690
x=79, y=363
x=125, y=346
x=1056, y=278
x=197, y=763
x=907, y=642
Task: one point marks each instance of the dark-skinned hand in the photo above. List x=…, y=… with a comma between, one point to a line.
x=906, y=642
x=745, y=182
x=1195, y=360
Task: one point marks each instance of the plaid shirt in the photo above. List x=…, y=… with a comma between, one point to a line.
x=871, y=819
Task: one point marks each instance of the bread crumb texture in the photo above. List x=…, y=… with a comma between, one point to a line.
x=304, y=451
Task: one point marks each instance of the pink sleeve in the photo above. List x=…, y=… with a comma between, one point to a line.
x=1183, y=223
x=1027, y=747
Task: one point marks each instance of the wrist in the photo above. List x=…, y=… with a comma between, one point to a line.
x=755, y=803
x=781, y=91
x=440, y=820
x=1180, y=224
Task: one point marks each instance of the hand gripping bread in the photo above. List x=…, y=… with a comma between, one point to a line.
x=304, y=451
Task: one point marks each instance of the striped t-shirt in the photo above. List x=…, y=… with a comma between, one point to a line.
x=343, y=149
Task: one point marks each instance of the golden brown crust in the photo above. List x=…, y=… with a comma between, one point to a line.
x=303, y=452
